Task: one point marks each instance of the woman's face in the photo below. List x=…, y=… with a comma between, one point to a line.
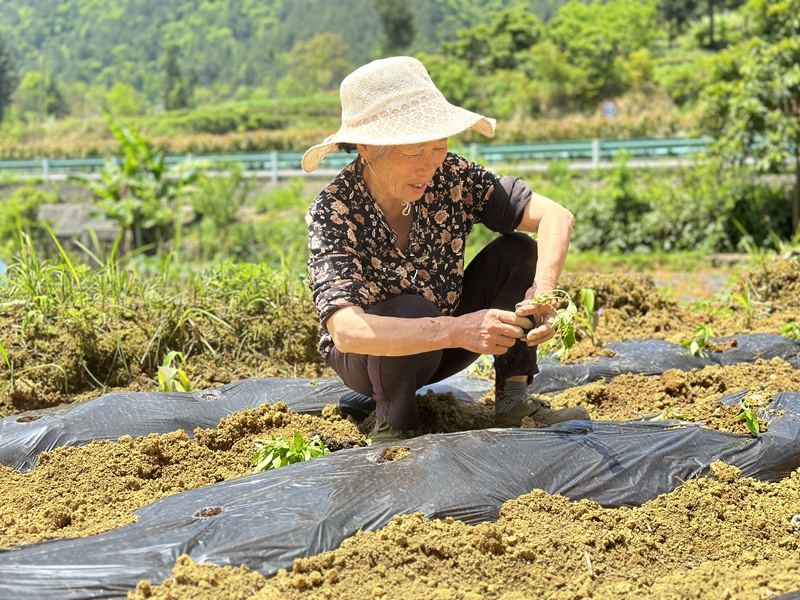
x=401, y=173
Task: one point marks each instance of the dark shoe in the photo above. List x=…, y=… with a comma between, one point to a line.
x=516, y=403
x=386, y=433
x=356, y=405
x=540, y=412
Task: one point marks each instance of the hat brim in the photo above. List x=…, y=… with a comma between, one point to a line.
x=432, y=120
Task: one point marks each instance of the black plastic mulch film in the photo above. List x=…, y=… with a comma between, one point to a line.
x=269, y=519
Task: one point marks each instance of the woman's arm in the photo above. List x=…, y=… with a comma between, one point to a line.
x=553, y=225
x=489, y=331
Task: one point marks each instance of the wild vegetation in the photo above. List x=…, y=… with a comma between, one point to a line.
x=542, y=69
x=72, y=56
x=219, y=69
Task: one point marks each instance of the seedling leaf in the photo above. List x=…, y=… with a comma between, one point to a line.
x=750, y=417
x=278, y=451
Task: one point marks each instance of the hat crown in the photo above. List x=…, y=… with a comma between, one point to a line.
x=384, y=85
x=393, y=101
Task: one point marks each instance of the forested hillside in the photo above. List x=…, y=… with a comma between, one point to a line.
x=196, y=78
x=226, y=49
x=69, y=57
x=209, y=76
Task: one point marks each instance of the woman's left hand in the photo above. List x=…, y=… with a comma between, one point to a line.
x=541, y=315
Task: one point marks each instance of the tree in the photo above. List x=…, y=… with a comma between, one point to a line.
x=8, y=78
x=397, y=23
x=489, y=66
x=498, y=45
x=711, y=8
x=176, y=89
x=594, y=38
x=316, y=64
x=140, y=191
x=556, y=78
x=123, y=100
x=53, y=102
x=752, y=105
x=455, y=79
x=677, y=14
x=39, y=95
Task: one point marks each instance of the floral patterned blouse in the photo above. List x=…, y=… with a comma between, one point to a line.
x=354, y=258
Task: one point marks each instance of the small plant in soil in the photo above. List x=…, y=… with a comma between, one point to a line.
x=590, y=317
x=672, y=414
x=279, y=451
x=701, y=343
x=744, y=300
x=564, y=323
x=750, y=417
x=749, y=414
x=12, y=374
x=171, y=378
x=791, y=330
x=482, y=367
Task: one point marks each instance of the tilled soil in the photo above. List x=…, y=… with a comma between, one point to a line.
x=720, y=537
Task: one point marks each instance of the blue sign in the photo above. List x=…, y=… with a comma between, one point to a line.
x=609, y=108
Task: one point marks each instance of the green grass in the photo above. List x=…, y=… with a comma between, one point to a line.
x=601, y=262
x=136, y=314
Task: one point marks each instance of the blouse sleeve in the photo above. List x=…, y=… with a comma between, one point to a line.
x=506, y=204
x=499, y=201
x=334, y=269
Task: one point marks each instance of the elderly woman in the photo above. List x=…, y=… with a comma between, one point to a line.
x=398, y=309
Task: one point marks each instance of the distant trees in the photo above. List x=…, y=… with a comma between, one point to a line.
x=499, y=56
x=752, y=105
x=39, y=94
x=597, y=40
x=489, y=67
x=123, y=100
x=500, y=44
x=677, y=14
x=177, y=89
x=397, y=23
x=8, y=78
x=316, y=65
x=519, y=65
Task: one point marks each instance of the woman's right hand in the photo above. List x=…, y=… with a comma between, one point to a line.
x=491, y=331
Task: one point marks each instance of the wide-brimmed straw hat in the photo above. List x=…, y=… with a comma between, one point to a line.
x=393, y=101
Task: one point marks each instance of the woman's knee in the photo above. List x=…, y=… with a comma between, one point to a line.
x=408, y=306
x=518, y=244
x=517, y=252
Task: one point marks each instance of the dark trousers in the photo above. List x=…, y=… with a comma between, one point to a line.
x=497, y=277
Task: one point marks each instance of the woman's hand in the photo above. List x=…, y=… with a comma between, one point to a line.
x=491, y=331
x=542, y=317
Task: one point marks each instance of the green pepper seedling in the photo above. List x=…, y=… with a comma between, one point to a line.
x=566, y=313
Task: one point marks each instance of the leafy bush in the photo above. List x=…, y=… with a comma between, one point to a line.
x=279, y=452
x=693, y=208
x=19, y=212
x=218, y=199
x=613, y=218
x=287, y=197
x=140, y=192
x=683, y=80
